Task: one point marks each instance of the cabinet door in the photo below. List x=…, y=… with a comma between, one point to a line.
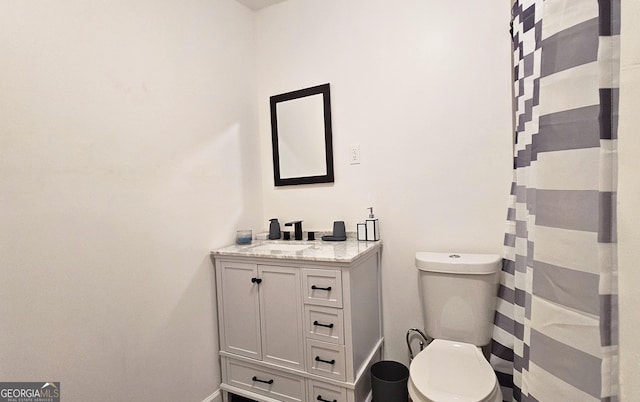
x=241, y=309
x=281, y=313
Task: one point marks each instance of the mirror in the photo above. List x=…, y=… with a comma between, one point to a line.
x=301, y=136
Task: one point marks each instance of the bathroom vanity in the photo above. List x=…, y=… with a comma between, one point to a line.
x=299, y=320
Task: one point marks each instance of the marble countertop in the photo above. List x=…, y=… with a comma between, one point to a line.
x=316, y=250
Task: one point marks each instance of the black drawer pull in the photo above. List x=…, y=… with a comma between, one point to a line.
x=319, y=398
x=256, y=280
x=316, y=323
x=332, y=361
x=256, y=379
x=314, y=287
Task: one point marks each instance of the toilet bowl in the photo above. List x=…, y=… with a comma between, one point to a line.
x=452, y=371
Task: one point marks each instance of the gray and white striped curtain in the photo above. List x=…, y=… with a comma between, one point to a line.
x=555, y=332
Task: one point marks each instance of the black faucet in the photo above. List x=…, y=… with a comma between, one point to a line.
x=297, y=228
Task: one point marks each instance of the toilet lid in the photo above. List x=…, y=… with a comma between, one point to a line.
x=448, y=370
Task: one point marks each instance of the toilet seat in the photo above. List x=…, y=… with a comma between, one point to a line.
x=452, y=371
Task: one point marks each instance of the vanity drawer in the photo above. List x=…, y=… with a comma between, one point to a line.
x=319, y=391
x=322, y=287
x=326, y=359
x=324, y=324
x=272, y=383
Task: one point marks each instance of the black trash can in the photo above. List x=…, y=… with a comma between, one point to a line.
x=389, y=381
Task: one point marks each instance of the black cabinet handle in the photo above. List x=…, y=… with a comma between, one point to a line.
x=319, y=398
x=256, y=379
x=256, y=280
x=314, y=287
x=332, y=361
x=316, y=323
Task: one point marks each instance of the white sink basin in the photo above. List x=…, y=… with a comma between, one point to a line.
x=279, y=247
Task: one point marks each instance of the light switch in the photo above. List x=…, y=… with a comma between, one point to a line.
x=354, y=154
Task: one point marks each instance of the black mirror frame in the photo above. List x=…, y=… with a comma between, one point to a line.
x=328, y=141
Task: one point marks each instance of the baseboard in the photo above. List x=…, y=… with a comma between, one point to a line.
x=216, y=396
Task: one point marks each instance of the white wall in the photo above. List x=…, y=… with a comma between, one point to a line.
x=628, y=196
x=128, y=149
x=424, y=88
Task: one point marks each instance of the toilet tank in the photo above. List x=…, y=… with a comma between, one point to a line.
x=458, y=293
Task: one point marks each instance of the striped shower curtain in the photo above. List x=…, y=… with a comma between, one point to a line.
x=555, y=330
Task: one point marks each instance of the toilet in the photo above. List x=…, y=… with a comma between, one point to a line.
x=458, y=293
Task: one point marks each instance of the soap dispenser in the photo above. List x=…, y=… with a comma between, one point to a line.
x=372, y=227
x=274, y=229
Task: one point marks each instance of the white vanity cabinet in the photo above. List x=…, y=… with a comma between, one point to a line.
x=299, y=326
